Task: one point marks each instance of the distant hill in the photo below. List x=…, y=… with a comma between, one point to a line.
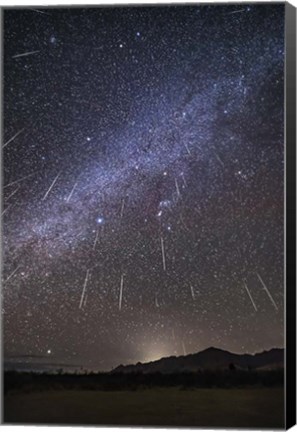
x=209, y=359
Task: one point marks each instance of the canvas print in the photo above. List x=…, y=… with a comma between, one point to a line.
x=143, y=215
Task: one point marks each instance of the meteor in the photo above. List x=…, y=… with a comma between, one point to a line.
x=51, y=186
x=121, y=292
x=72, y=190
x=25, y=54
x=163, y=254
x=250, y=296
x=14, y=137
x=267, y=291
x=84, y=290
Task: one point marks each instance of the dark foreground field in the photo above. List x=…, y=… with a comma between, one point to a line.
x=246, y=408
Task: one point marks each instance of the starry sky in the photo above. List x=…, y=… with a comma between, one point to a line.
x=143, y=165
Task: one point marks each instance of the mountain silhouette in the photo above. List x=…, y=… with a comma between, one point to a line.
x=209, y=359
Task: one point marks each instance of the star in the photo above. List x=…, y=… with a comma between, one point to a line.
x=100, y=220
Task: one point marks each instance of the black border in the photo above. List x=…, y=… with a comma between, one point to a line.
x=290, y=236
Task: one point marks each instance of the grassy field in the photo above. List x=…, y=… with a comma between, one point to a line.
x=246, y=408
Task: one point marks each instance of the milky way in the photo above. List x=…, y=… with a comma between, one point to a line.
x=143, y=160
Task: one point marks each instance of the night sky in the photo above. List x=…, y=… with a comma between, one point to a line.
x=143, y=161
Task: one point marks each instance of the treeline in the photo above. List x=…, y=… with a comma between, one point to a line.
x=29, y=381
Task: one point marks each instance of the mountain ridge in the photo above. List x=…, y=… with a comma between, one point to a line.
x=209, y=359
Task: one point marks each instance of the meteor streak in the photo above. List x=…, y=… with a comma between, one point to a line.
x=96, y=238
x=5, y=210
x=163, y=254
x=25, y=54
x=12, y=193
x=51, y=186
x=250, y=296
x=85, y=302
x=184, y=180
x=18, y=181
x=14, y=137
x=122, y=207
x=41, y=12
x=72, y=190
x=177, y=187
x=11, y=274
x=121, y=292
x=237, y=11
x=84, y=290
x=267, y=291
x=219, y=159
x=187, y=148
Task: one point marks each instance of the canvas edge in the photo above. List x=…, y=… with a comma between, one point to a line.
x=290, y=215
